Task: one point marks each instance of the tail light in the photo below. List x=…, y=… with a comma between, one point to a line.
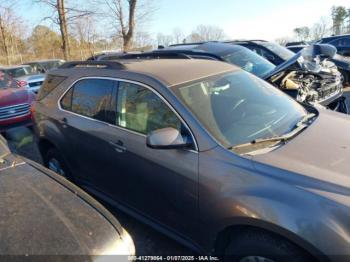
x=22, y=83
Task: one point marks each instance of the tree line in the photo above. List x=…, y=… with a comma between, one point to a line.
x=337, y=23
x=79, y=29
x=75, y=31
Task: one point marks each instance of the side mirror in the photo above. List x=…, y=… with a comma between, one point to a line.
x=322, y=50
x=167, y=138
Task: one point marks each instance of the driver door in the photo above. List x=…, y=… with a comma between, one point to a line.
x=161, y=185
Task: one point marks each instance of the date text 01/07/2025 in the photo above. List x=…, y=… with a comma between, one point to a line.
x=173, y=258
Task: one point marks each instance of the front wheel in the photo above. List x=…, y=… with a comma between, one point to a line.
x=258, y=246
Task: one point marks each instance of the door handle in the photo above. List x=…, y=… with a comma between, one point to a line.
x=118, y=146
x=62, y=120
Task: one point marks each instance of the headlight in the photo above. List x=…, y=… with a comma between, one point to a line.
x=128, y=247
x=123, y=246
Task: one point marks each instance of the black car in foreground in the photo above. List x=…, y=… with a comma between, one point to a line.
x=322, y=86
x=342, y=62
x=42, y=213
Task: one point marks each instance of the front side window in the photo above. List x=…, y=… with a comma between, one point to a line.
x=141, y=110
x=237, y=108
x=281, y=51
x=89, y=97
x=18, y=72
x=6, y=81
x=249, y=61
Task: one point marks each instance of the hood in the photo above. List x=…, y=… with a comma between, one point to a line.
x=320, y=152
x=44, y=214
x=308, y=59
x=13, y=96
x=289, y=65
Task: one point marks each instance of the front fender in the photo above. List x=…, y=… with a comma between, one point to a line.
x=233, y=193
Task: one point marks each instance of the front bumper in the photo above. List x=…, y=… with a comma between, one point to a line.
x=25, y=120
x=339, y=105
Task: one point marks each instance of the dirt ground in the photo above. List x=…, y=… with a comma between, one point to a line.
x=147, y=240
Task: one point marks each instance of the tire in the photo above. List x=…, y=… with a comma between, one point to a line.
x=54, y=161
x=346, y=76
x=259, y=246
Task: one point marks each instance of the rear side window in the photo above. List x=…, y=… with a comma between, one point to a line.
x=50, y=83
x=89, y=97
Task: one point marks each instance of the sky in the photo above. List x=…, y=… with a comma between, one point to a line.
x=258, y=19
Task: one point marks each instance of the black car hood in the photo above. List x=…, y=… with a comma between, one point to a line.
x=320, y=152
x=290, y=64
x=43, y=214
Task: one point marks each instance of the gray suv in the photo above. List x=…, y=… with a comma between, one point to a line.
x=206, y=153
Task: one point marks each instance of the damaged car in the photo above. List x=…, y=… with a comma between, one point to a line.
x=342, y=62
x=304, y=79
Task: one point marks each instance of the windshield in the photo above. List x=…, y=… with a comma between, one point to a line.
x=250, y=62
x=238, y=107
x=20, y=71
x=6, y=81
x=279, y=50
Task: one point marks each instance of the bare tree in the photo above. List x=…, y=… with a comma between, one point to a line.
x=62, y=16
x=127, y=15
x=164, y=40
x=178, y=35
x=207, y=33
x=302, y=33
x=85, y=31
x=339, y=14
x=10, y=25
x=143, y=41
x=63, y=28
x=321, y=28
x=283, y=40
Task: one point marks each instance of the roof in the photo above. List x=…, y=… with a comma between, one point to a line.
x=215, y=48
x=41, y=61
x=335, y=37
x=176, y=71
x=13, y=67
x=170, y=71
x=244, y=41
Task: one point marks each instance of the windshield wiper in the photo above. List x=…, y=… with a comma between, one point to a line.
x=299, y=126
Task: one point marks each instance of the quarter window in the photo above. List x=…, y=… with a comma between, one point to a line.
x=89, y=97
x=141, y=110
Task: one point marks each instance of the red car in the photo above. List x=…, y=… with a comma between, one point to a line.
x=15, y=103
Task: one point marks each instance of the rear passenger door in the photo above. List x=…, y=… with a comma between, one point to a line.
x=159, y=184
x=86, y=108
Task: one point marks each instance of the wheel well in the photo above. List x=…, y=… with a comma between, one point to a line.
x=224, y=237
x=44, y=146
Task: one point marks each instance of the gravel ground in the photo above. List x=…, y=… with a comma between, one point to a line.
x=147, y=240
